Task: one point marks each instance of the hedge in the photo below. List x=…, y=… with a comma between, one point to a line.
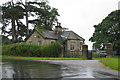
x=32, y=50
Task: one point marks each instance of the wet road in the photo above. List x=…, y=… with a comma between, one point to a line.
x=85, y=69
x=63, y=70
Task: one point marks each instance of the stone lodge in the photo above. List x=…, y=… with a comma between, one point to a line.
x=72, y=42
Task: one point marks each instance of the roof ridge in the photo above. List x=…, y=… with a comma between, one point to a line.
x=77, y=35
x=50, y=34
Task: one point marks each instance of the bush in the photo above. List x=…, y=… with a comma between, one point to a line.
x=51, y=50
x=32, y=50
x=5, y=40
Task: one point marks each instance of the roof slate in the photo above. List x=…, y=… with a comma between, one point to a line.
x=65, y=34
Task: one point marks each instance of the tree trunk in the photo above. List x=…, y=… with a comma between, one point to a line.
x=17, y=29
x=26, y=18
x=14, y=37
x=27, y=23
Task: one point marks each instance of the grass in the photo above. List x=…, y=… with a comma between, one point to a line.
x=41, y=58
x=108, y=62
x=111, y=63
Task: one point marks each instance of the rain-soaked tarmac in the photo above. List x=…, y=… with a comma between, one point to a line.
x=57, y=70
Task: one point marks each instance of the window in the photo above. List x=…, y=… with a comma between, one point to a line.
x=38, y=36
x=80, y=45
x=29, y=41
x=39, y=42
x=35, y=36
x=52, y=41
x=72, y=46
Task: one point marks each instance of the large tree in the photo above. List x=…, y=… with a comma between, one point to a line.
x=108, y=31
x=43, y=16
x=11, y=13
x=46, y=16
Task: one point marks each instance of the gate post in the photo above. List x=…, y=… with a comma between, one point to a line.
x=84, y=51
x=89, y=55
x=109, y=50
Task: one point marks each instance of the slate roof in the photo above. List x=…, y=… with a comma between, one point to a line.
x=65, y=34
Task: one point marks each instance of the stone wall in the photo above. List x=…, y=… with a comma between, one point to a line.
x=35, y=38
x=77, y=51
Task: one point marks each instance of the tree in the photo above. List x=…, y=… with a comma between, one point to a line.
x=25, y=7
x=44, y=15
x=11, y=13
x=108, y=31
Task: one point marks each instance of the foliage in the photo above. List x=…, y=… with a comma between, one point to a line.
x=4, y=40
x=13, y=12
x=111, y=63
x=51, y=50
x=108, y=31
x=47, y=16
x=32, y=50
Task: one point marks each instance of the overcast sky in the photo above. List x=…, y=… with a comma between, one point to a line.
x=80, y=15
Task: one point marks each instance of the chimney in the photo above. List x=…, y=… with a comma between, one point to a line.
x=58, y=28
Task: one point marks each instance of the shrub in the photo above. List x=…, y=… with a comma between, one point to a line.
x=5, y=40
x=51, y=50
x=32, y=50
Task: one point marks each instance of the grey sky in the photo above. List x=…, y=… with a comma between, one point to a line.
x=80, y=15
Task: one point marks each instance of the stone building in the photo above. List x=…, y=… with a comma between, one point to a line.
x=72, y=42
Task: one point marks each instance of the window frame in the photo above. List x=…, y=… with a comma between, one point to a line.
x=81, y=45
x=52, y=42
x=72, y=46
x=39, y=42
x=30, y=42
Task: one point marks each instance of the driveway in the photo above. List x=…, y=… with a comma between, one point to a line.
x=84, y=69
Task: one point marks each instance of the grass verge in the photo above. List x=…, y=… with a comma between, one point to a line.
x=41, y=58
x=111, y=63
x=108, y=62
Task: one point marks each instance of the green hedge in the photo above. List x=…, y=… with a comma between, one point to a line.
x=32, y=50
